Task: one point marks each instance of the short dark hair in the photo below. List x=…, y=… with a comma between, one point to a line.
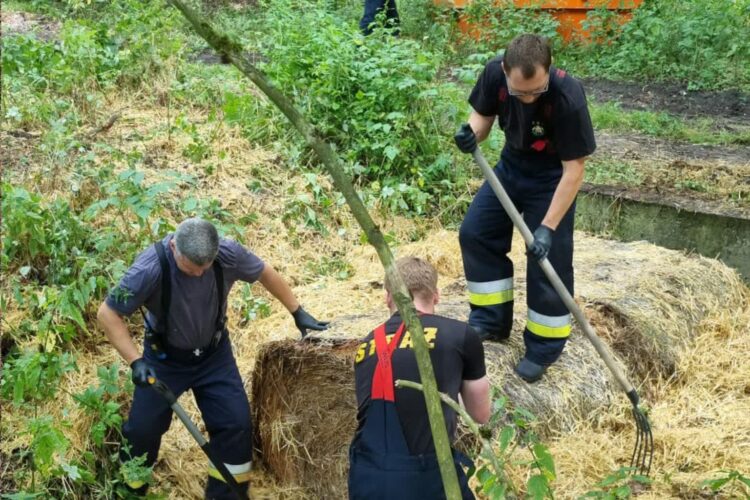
x=419, y=276
x=526, y=52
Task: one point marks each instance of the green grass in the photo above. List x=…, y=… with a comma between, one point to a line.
x=609, y=171
x=610, y=116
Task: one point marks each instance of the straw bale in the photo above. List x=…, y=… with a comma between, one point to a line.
x=647, y=300
x=304, y=410
x=621, y=286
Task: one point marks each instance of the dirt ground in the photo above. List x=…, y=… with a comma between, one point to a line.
x=728, y=106
x=632, y=146
x=25, y=22
x=716, y=175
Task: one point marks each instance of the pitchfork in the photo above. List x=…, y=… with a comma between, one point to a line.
x=640, y=462
x=167, y=394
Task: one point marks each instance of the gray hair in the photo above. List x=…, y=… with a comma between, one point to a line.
x=198, y=240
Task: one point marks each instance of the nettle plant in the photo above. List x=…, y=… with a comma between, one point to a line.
x=508, y=430
x=731, y=483
x=50, y=465
x=509, y=433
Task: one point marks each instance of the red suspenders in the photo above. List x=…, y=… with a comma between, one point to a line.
x=382, y=380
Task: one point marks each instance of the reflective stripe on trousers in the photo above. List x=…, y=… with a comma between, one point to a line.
x=553, y=327
x=486, y=236
x=488, y=293
x=241, y=472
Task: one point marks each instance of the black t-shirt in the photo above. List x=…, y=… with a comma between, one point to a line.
x=557, y=126
x=457, y=355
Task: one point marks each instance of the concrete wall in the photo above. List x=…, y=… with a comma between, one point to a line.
x=692, y=225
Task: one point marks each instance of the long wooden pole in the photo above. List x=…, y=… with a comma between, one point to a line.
x=553, y=277
x=233, y=51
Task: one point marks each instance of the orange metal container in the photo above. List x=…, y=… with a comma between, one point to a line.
x=569, y=13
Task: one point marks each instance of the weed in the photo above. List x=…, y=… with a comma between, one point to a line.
x=34, y=376
x=335, y=266
x=134, y=203
x=200, y=147
x=97, y=401
x=609, y=171
x=251, y=307
x=692, y=185
x=40, y=236
x=730, y=482
x=513, y=428
x=617, y=485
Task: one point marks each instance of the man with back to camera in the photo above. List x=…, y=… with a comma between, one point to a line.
x=392, y=455
x=548, y=135
x=183, y=281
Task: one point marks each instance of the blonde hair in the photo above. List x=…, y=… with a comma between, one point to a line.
x=419, y=276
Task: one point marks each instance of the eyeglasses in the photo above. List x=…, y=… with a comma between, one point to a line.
x=516, y=93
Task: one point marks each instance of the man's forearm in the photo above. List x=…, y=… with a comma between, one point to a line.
x=278, y=287
x=475, y=397
x=481, y=125
x=566, y=192
x=117, y=333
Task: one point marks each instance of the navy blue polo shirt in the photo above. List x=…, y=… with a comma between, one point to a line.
x=555, y=127
x=193, y=310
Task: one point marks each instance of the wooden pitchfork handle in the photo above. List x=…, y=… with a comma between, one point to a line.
x=551, y=274
x=162, y=389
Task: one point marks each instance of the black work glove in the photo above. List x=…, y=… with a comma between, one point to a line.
x=304, y=321
x=141, y=371
x=542, y=241
x=465, y=139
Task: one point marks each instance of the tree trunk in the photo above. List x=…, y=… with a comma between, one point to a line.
x=233, y=51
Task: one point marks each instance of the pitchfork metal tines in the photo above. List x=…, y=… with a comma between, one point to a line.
x=643, y=453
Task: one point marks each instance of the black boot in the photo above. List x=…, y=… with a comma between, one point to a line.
x=530, y=371
x=487, y=336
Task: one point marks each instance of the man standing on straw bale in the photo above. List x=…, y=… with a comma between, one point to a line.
x=392, y=454
x=183, y=281
x=548, y=134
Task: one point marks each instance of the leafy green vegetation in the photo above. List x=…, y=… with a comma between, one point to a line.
x=378, y=100
x=703, y=43
x=77, y=207
x=617, y=485
x=730, y=482
x=513, y=428
x=113, y=44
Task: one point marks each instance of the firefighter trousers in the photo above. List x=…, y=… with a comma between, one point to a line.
x=485, y=239
x=222, y=400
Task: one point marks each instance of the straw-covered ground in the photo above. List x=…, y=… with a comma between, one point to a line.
x=657, y=309
x=689, y=351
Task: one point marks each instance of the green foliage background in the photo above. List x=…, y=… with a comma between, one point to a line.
x=388, y=104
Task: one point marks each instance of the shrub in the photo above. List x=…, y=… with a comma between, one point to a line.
x=701, y=42
x=375, y=98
